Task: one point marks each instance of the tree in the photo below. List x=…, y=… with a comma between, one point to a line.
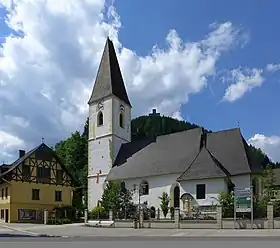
x=268, y=181
x=117, y=198
x=73, y=153
x=164, y=203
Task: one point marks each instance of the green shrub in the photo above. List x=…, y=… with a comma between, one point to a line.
x=226, y=201
x=164, y=203
x=68, y=212
x=62, y=221
x=98, y=213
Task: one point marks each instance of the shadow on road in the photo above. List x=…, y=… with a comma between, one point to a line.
x=11, y=235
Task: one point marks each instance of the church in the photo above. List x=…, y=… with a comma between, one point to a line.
x=192, y=167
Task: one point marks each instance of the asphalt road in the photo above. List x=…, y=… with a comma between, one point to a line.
x=123, y=242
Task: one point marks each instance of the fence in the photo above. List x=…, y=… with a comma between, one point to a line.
x=201, y=218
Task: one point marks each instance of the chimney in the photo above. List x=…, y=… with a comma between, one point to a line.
x=21, y=153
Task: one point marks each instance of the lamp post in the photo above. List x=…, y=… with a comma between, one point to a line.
x=140, y=193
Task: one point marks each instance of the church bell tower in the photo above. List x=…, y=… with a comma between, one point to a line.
x=109, y=122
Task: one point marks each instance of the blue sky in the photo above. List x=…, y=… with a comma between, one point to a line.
x=257, y=111
x=61, y=45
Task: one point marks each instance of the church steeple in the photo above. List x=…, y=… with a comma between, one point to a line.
x=109, y=80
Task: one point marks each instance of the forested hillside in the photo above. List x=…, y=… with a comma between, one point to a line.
x=74, y=149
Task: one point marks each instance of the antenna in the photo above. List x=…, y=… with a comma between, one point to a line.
x=238, y=124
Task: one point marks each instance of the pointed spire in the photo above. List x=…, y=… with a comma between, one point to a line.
x=109, y=79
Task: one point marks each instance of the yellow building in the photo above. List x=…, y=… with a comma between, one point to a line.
x=36, y=181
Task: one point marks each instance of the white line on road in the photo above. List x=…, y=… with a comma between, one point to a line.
x=19, y=230
x=179, y=234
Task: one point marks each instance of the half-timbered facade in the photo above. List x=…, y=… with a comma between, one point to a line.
x=37, y=180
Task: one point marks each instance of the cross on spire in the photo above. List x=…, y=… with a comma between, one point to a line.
x=43, y=140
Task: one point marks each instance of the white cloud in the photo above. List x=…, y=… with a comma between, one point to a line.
x=8, y=143
x=47, y=73
x=269, y=144
x=243, y=81
x=273, y=67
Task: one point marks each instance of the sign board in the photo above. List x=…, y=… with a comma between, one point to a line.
x=243, y=200
x=26, y=214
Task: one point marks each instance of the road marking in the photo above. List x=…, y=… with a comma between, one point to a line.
x=19, y=230
x=178, y=234
x=53, y=226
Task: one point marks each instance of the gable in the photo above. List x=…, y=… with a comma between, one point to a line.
x=203, y=166
x=40, y=165
x=228, y=148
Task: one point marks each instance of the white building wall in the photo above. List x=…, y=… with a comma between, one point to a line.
x=163, y=183
x=157, y=185
x=104, y=143
x=213, y=188
x=124, y=133
x=95, y=190
x=242, y=181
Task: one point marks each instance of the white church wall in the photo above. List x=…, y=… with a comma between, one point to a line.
x=160, y=184
x=163, y=183
x=242, y=181
x=122, y=132
x=157, y=185
x=95, y=191
x=213, y=187
x=104, y=143
x=100, y=156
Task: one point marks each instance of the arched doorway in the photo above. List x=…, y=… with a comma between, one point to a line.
x=153, y=212
x=176, y=197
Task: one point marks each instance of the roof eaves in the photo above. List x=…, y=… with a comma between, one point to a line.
x=20, y=160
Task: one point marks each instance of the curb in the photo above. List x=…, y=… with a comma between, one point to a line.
x=32, y=233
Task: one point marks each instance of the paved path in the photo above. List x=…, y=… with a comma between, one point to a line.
x=128, y=242
x=79, y=230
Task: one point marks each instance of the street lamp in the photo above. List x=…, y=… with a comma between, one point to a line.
x=140, y=193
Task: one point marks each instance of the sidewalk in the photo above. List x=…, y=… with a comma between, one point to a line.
x=79, y=230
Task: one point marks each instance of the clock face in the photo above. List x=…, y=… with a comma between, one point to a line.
x=122, y=108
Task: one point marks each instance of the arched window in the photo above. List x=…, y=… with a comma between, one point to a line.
x=153, y=212
x=176, y=197
x=121, y=119
x=123, y=186
x=100, y=119
x=144, y=186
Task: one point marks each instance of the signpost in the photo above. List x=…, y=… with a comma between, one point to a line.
x=243, y=202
